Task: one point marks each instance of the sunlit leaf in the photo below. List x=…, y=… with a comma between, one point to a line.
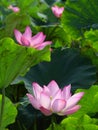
x=9, y=114
x=16, y=59
x=80, y=15
x=83, y=123
x=89, y=102
x=92, y=39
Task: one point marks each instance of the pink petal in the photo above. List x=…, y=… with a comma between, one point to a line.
x=58, y=95
x=45, y=100
x=33, y=101
x=66, y=92
x=14, y=9
x=74, y=99
x=61, y=10
x=42, y=45
x=58, y=105
x=72, y=110
x=54, y=8
x=37, y=89
x=53, y=87
x=57, y=11
x=38, y=39
x=46, y=90
x=28, y=33
x=18, y=36
x=45, y=111
x=24, y=41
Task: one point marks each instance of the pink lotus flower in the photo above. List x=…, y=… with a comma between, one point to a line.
x=51, y=99
x=26, y=39
x=14, y=9
x=57, y=11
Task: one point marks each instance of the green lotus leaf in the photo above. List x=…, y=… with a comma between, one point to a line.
x=83, y=123
x=59, y=36
x=16, y=60
x=92, y=39
x=89, y=102
x=10, y=113
x=11, y=23
x=79, y=16
x=67, y=66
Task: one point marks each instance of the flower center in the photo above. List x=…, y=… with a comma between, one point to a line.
x=51, y=97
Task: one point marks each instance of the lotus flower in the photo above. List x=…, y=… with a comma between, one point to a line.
x=57, y=11
x=14, y=9
x=26, y=39
x=51, y=99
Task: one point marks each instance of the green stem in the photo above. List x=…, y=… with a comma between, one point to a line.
x=52, y=126
x=2, y=106
x=53, y=121
x=35, y=122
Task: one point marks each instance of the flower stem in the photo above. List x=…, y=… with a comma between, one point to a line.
x=2, y=106
x=53, y=120
x=35, y=122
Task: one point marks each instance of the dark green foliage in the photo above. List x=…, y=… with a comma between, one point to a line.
x=66, y=67
x=80, y=15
